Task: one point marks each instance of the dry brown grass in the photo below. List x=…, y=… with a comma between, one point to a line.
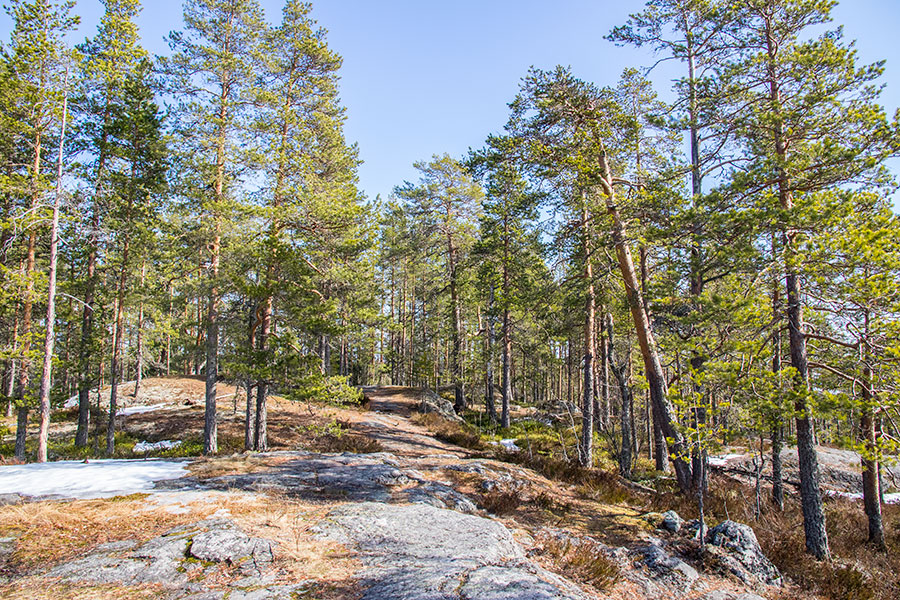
x=582, y=562
x=236, y=464
x=500, y=502
x=50, y=532
x=300, y=555
x=452, y=432
x=36, y=588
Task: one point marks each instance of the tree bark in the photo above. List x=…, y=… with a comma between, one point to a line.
x=489, y=360
x=459, y=403
x=778, y=424
x=810, y=490
x=115, y=366
x=619, y=371
x=649, y=352
x=49, y=337
x=139, y=348
x=586, y=447
x=249, y=424
x=871, y=469
x=262, y=388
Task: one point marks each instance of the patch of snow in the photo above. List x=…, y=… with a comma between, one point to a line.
x=137, y=410
x=722, y=459
x=509, y=445
x=150, y=446
x=71, y=402
x=95, y=479
x=888, y=498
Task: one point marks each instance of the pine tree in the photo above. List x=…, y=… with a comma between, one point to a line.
x=507, y=244
x=310, y=173
x=137, y=180
x=211, y=70
x=109, y=59
x=446, y=204
x=35, y=57
x=806, y=129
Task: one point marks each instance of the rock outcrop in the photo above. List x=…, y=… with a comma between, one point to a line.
x=419, y=552
x=432, y=402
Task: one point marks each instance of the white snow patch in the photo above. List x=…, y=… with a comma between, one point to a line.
x=722, y=460
x=71, y=402
x=888, y=498
x=161, y=445
x=137, y=410
x=95, y=479
x=509, y=445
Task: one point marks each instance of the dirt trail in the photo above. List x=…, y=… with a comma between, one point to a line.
x=388, y=421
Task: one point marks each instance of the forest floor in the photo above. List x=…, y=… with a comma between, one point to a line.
x=373, y=502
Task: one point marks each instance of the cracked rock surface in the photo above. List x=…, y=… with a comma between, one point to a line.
x=421, y=552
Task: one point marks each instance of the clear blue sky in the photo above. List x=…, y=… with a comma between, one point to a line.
x=426, y=76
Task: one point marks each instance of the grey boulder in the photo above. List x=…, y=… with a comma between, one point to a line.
x=742, y=555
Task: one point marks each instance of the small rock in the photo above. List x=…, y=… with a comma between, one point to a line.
x=667, y=566
x=671, y=521
x=441, y=496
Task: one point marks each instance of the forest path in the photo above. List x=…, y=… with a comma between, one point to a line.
x=389, y=421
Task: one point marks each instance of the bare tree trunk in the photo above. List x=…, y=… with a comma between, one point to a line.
x=625, y=457
x=27, y=308
x=459, y=403
x=210, y=428
x=778, y=424
x=507, y=392
x=139, y=349
x=10, y=381
x=49, y=337
x=586, y=447
x=604, y=372
x=249, y=426
x=871, y=469
x=262, y=388
x=489, y=361
x=115, y=366
x=652, y=365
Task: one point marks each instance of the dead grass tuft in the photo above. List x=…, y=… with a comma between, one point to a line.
x=36, y=588
x=499, y=502
x=582, y=562
x=49, y=532
x=347, y=442
x=300, y=555
x=452, y=432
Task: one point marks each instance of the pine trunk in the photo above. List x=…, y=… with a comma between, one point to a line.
x=586, y=447
x=115, y=366
x=139, y=347
x=49, y=339
x=652, y=366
